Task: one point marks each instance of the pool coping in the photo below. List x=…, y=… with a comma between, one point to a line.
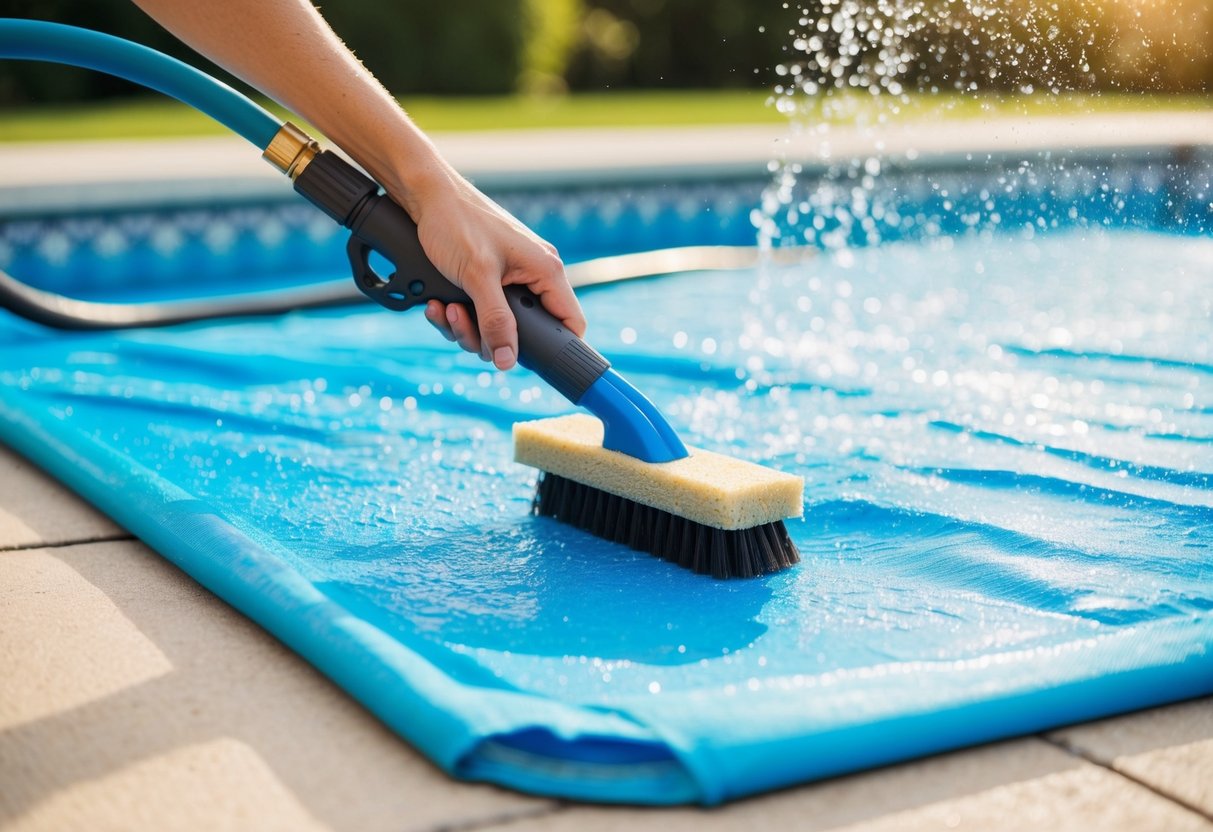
x=95, y=175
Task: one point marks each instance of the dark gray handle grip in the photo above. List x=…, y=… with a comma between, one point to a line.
x=545, y=345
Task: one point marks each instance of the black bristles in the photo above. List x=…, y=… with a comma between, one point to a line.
x=721, y=553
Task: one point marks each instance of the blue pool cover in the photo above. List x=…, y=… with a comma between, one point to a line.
x=1007, y=444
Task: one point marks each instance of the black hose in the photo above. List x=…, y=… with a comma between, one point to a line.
x=60, y=312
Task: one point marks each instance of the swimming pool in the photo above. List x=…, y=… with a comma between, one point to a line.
x=1001, y=412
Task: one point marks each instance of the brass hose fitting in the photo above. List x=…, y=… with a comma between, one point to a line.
x=291, y=150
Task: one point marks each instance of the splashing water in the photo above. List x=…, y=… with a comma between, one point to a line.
x=865, y=65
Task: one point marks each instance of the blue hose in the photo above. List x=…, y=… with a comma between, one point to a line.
x=39, y=40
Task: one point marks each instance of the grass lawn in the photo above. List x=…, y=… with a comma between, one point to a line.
x=158, y=117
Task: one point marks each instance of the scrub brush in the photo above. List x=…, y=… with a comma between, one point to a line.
x=706, y=512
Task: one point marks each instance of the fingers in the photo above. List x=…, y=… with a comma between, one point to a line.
x=463, y=329
x=435, y=313
x=455, y=324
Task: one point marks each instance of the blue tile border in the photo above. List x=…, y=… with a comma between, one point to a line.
x=216, y=245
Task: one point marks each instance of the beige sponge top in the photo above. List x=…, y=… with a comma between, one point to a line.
x=708, y=488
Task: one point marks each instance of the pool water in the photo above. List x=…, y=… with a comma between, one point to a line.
x=1007, y=446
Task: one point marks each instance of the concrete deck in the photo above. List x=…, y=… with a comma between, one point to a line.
x=133, y=699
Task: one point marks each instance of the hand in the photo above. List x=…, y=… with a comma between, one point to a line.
x=480, y=247
x=472, y=241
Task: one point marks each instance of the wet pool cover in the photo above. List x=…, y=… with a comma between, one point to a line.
x=1008, y=453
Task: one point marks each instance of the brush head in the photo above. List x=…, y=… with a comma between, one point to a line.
x=707, y=512
x=721, y=553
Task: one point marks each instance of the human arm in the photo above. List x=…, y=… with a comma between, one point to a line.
x=285, y=49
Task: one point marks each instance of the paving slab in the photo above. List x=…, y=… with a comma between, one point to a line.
x=1170, y=749
x=1017, y=785
x=133, y=699
x=35, y=510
